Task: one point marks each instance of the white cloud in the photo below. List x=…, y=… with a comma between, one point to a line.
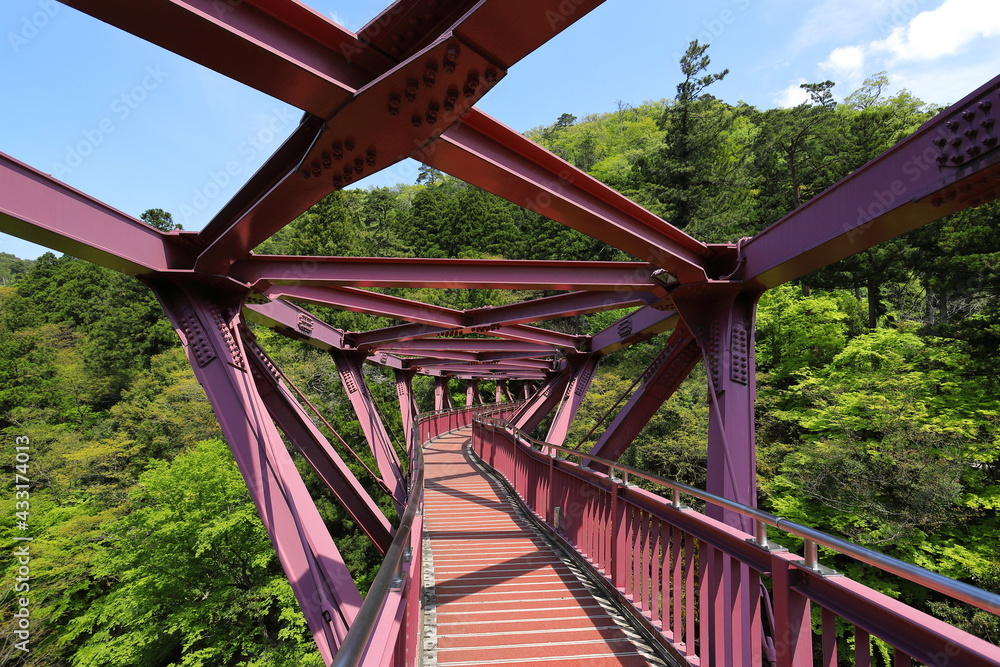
x=940, y=32
x=845, y=61
x=918, y=49
x=792, y=96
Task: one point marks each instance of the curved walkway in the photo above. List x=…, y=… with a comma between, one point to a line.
x=499, y=594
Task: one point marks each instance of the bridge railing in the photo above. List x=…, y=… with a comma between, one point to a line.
x=387, y=629
x=715, y=594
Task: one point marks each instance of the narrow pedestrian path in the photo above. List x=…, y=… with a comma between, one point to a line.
x=501, y=594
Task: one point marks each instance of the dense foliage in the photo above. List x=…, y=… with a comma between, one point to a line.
x=878, y=412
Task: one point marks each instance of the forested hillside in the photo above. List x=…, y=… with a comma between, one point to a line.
x=878, y=396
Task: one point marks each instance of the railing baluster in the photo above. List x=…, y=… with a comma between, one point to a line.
x=689, y=599
x=828, y=622
x=862, y=648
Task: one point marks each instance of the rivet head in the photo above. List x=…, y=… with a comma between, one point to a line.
x=986, y=105
x=940, y=142
x=326, y=160
x=316, y=168
x=359, y=165
x=410, y=90
x=952, y=125
x=348, y=145
x=430, y=75
x=451, y=58
x=394, y=104
x=432, y=112
x=968, y=115
x=491, y=76
x=338, y=151
x=416, y=121
x=370, y=157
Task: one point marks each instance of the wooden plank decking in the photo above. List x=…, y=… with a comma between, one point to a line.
x=502, y=595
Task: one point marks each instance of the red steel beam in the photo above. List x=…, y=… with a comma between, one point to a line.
x=637, y=326
x=283, y=50
x=474, y=345
x=486, y=153
x=445, y=273
x=374, y=303
x=40, y=209
x=950, y=163
x=383, y=123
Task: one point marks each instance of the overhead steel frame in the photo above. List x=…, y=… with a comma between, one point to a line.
x=397, y=89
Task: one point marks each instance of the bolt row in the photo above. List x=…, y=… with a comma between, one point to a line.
x=971, y=134
x=431, y=114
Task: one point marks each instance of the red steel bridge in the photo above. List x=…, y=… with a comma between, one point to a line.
x=701, y=588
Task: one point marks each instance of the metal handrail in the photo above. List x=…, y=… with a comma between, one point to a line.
x=958, y=590
x=352, y=650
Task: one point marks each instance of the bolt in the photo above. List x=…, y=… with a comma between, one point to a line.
x=305, y=174
x=940, y=142
x=471, y=85
x=985, y=106
x=968, y=116
x=430, y=75
x=394, y=103
x=370, y=157
x=451, y=58
x=348, y=145
x=338, y=152
x=337, y=181
x=974, y=151
x=988, y=124
x=417, y=121
x=410, y=90
x=348, y=174
x=971, y=134
x=491, y=76
x=952, y=125
x=956, y=142
x=325, y=160
x=432, y=112
x=450, y=98
x=359, y=165
x=316, y=168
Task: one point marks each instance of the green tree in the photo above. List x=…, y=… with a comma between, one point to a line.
x=193, y=577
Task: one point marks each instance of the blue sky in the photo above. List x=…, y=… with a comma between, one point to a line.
x=138, y=128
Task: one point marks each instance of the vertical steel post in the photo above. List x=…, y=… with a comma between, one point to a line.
x=407, y=404
x=442, y=397
x=472, y=393
x=724, y=328
x=206, y=321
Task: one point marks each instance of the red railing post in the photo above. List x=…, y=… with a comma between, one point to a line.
x=792, y=623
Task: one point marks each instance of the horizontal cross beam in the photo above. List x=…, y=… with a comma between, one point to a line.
x=445, y=273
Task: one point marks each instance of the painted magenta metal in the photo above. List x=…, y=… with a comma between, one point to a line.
x=445, y=273
x=697, y=580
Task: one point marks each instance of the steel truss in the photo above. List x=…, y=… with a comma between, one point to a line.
x=398, y=89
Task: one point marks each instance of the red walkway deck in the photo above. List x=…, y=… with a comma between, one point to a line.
x=503, y=595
